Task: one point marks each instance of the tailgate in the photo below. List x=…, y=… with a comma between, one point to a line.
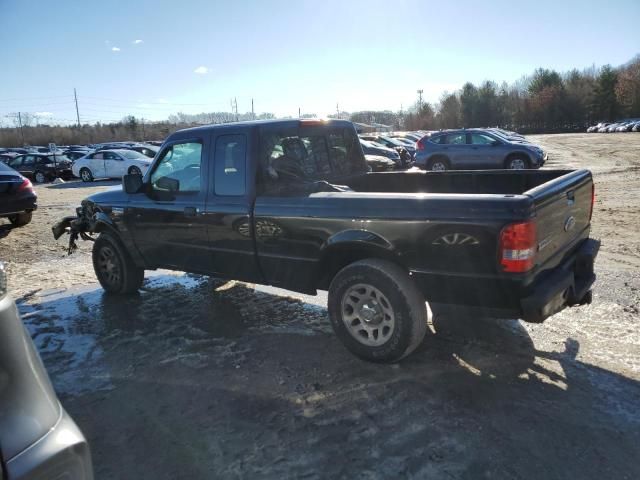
x=562, y=213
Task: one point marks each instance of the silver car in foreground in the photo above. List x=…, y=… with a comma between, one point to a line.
x=473, y=149
x=38, y=439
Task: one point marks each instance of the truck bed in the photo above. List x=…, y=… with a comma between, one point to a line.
x=505, y=182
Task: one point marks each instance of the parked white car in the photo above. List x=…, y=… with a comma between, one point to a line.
x=110, y=164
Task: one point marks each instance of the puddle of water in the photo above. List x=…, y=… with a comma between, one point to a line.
x=88, y=338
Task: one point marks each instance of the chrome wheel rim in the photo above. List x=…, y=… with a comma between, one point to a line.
x=40, y=178
x=86, y=176
x=438, y=167
x=517, y=164
x=108, y=265
x=368, y=315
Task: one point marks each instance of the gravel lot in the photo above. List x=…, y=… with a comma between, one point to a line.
x=200, y=378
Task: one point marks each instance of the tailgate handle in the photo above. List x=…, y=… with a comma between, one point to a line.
x=571, y=197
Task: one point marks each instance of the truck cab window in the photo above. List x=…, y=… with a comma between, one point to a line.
x=288, y=158
x=230, y=161
x=179, y=162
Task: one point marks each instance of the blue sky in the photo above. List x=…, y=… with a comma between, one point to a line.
x=153, y=58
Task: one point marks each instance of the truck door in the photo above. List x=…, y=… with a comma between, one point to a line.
x=229, y=208
x=166, y=220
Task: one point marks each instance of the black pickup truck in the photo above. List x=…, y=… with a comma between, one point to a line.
x=291, y=204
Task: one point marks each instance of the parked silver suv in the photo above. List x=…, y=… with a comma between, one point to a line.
x=472, y=149
x=38, y=439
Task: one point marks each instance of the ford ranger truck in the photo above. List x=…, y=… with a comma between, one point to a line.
x=290, y=203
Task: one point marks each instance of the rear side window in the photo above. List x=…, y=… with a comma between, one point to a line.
x=438, y=140
x=457, y=139
x=303, y=155
x=230, y=162
x=481, y=139
x=345, y=152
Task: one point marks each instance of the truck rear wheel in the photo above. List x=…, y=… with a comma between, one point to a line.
x=377, y=311
x=114, y=267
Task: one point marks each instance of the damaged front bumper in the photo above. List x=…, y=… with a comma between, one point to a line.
x=79, y=226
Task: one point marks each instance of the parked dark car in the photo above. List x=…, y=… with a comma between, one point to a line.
x=474, y=149
x=389, y=143
x=42, y=167
x=413, y=137
x=18, y=150
x=7, y=156
x=372, y=148
x=378, y=163
x=290, y=203
x=17, y=198
x=39, y=439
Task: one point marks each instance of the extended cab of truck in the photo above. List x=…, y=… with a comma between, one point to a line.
x=290, y=203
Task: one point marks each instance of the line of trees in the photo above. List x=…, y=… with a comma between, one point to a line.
x=546, y=101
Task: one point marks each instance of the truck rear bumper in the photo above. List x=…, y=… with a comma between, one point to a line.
x=567, y=285
x=509, y=297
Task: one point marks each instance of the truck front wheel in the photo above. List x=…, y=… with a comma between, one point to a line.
x=377, y=311
x=114, y=268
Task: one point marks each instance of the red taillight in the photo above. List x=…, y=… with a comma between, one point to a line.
x=25, y=186
x=518, y=247
x=593, y=199
x=419, y=145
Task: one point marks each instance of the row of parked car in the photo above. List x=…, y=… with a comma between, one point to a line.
x=628, y=125
x=110, y=160
x=456, y=149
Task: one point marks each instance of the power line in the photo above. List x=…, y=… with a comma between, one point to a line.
x=31, y=98
x=155, y=103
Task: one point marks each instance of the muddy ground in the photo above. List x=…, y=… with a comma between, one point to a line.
x=200, y=378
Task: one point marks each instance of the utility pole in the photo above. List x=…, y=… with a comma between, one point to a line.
x=299, y=115
x=75, y=96
x=253, y=113
x=420, y=99
x=143, y=135
x=236, y=104
x=21, y=129
x=337, y=111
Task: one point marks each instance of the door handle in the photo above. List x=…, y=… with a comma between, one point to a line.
x=190, y=211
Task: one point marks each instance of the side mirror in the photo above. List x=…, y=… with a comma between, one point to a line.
x=169, y=184
x=132, y=183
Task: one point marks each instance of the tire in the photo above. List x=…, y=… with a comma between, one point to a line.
x=438, y=164
x=114, y=267
x=517, y=162
x=86, y=175
x=39, y=177
x=135, y=171
x=21, y=219
x=394, y=307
